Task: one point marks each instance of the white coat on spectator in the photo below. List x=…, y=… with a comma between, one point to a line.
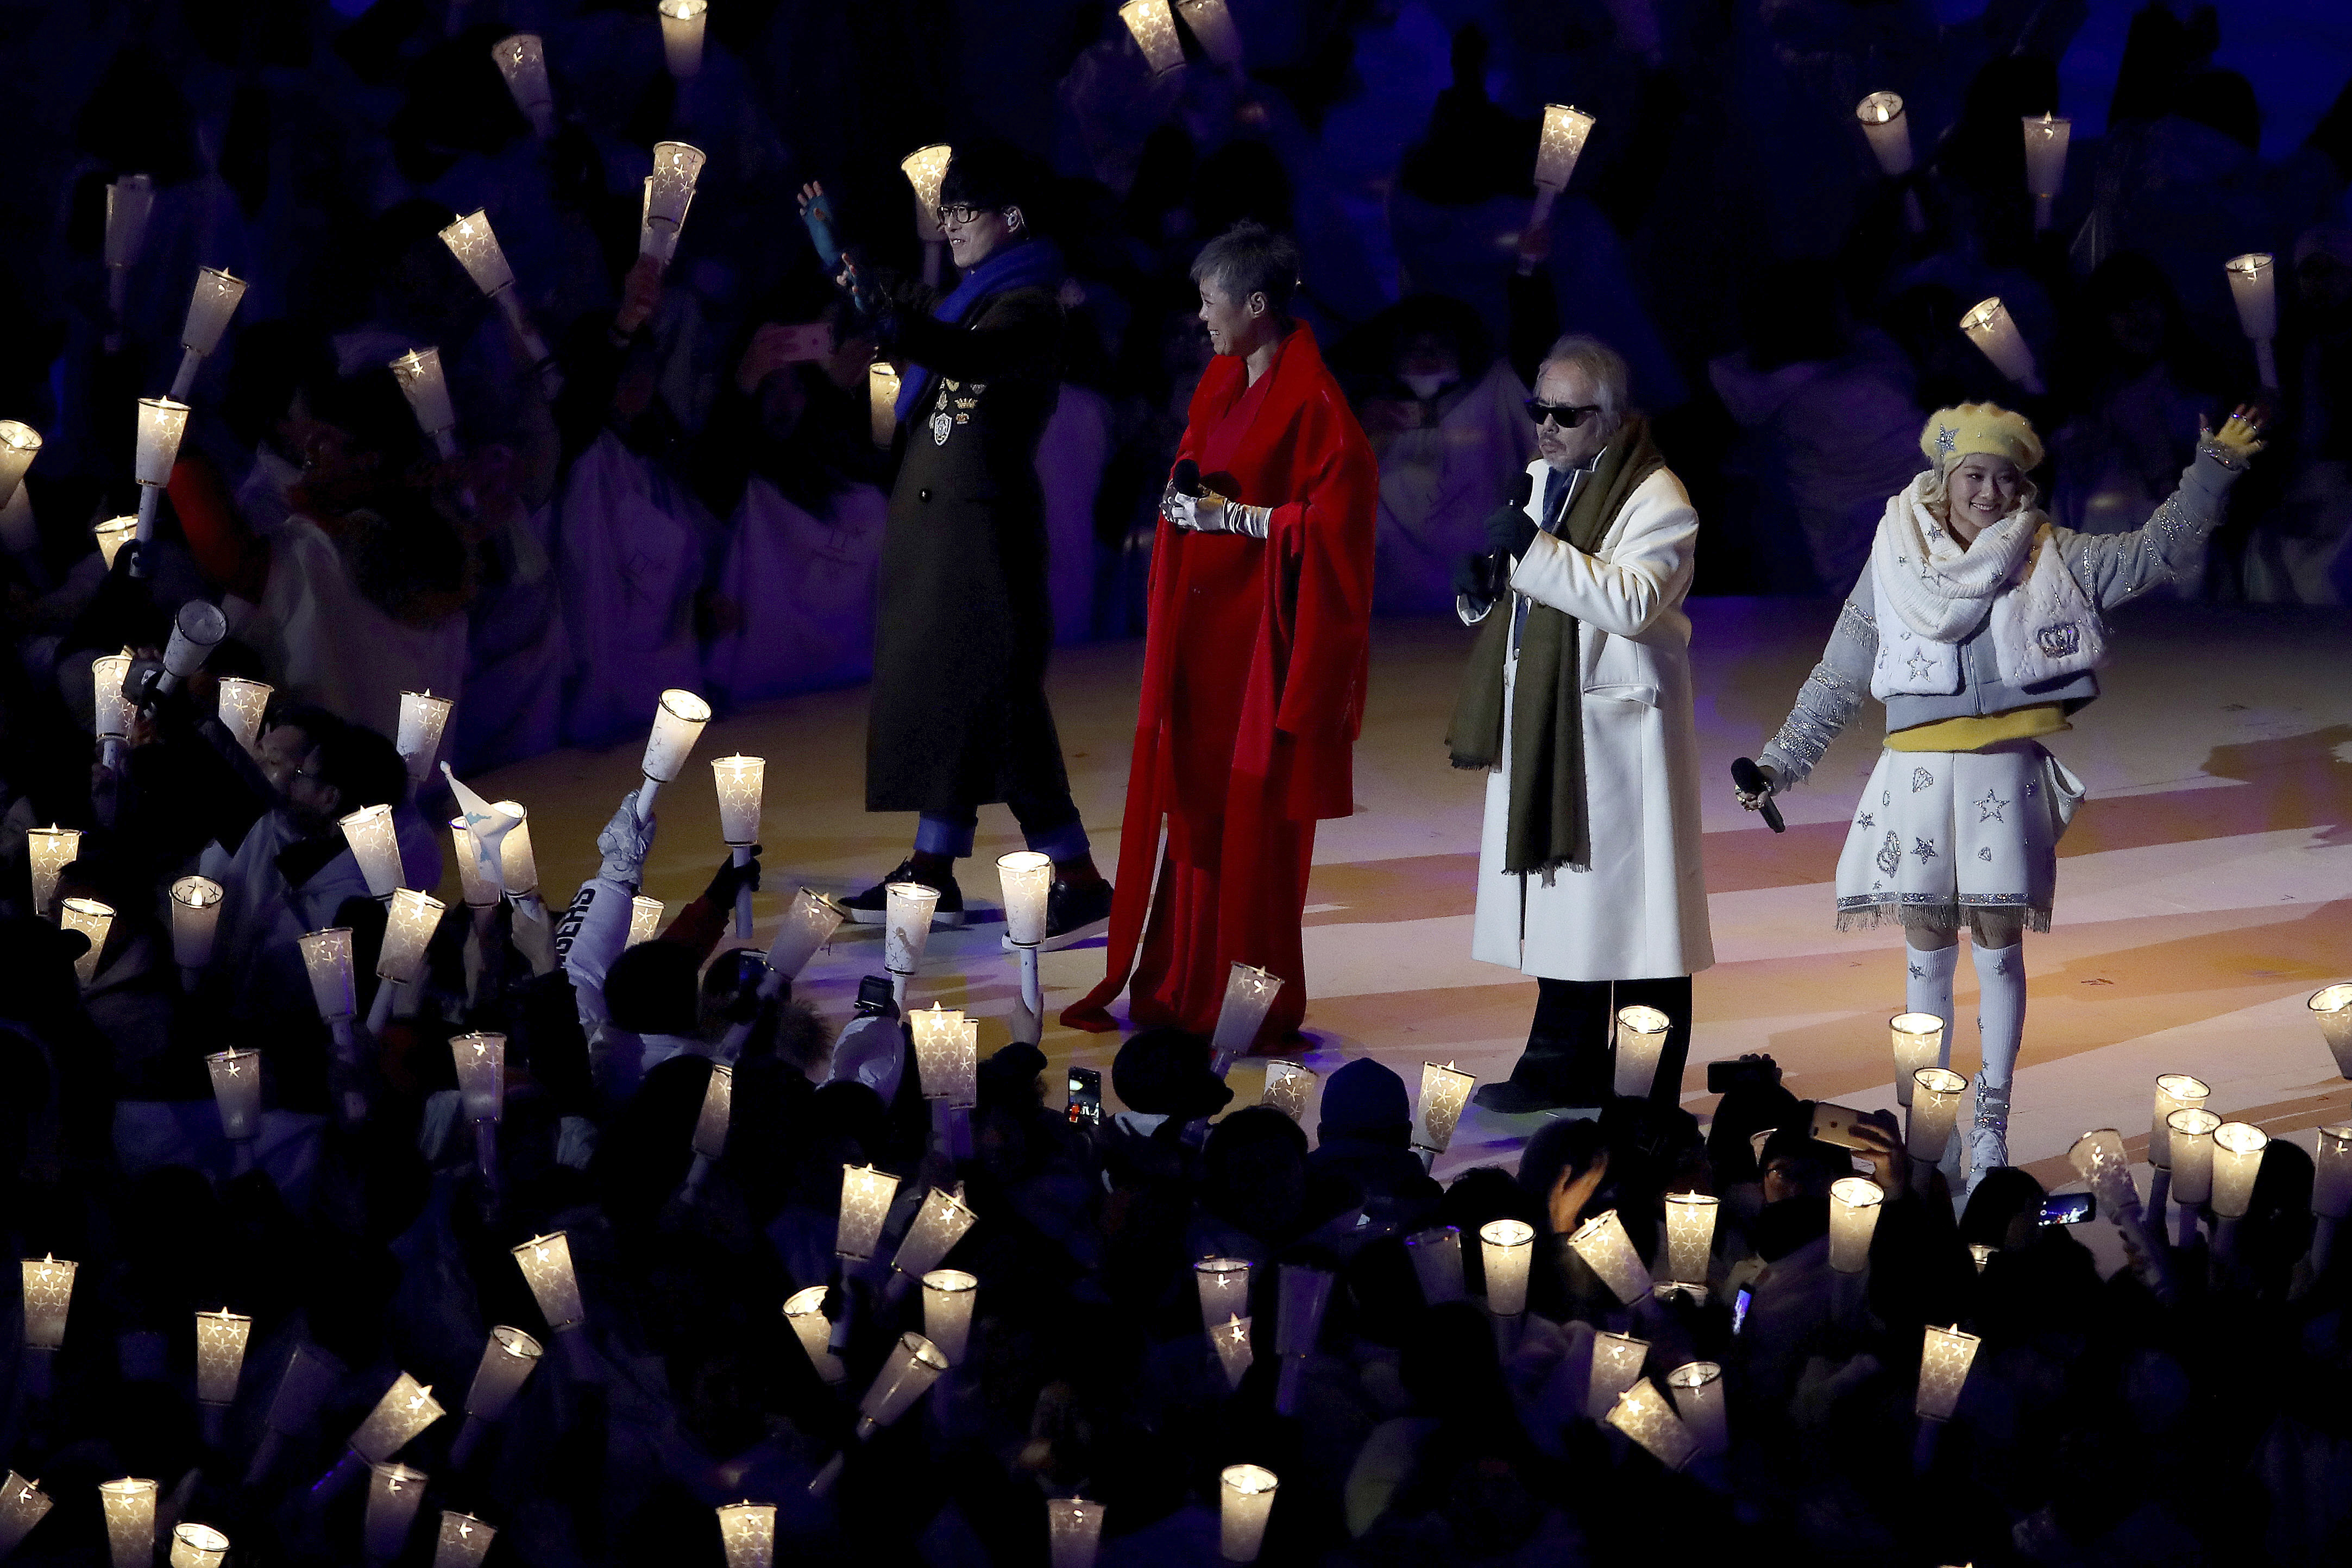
x=1437, y=486
x=631, y=548
x=804, y=586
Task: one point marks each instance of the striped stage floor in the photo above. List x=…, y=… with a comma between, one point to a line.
x=2206, y=889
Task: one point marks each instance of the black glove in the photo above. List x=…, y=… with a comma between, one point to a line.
x=1509, y=531
x=731, y=876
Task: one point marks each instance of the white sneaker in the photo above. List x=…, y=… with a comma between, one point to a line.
x=1988, y=1139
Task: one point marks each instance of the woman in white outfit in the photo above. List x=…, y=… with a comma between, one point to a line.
x=1977, y=623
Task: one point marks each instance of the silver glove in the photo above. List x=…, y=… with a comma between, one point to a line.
x=625, y=843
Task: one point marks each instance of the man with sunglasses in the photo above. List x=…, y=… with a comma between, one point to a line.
x=1577, y=703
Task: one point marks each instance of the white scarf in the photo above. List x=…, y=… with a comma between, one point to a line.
x=1933, y=592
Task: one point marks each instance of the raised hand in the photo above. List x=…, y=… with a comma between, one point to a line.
x=2240, y=433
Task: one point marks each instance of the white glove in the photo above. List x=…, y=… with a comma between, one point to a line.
x=1215, y=515
x=625, y=843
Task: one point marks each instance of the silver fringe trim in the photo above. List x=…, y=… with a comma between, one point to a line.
x=1918, y=911
x=1826, y=704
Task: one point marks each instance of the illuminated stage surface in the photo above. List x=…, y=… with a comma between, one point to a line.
x=2206, y=887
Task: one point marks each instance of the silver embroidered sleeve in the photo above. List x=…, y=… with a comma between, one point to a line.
x=2116, y=568
x=1826, y=704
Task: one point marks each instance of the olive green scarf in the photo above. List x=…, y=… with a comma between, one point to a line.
x=1547, y=827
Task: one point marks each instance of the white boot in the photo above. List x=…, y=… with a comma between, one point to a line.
x=1988, y=1133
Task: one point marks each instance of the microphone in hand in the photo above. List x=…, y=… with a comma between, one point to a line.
x=1749, y=781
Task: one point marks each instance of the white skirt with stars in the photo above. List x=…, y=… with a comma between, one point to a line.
x=1938, y=833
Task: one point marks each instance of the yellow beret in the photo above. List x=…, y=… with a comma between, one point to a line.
x=1975, y=428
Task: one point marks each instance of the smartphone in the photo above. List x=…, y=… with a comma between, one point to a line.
x=1834, y=1123
x=1722, y=1077
x=2069, y=1208
x=1739, y=1305
x=875, y=995
x=1085, y=1097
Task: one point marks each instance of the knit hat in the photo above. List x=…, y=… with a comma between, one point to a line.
x=1165, y=1072
x=1365, y=1098
x=1976, y=429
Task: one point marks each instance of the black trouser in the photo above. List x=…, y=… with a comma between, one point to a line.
x=1571, y=1054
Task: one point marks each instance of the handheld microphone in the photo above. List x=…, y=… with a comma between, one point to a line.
x=1185, y=480
x=1751, y=778
x=1524, y=492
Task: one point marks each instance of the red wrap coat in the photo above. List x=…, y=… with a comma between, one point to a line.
x=1254, y=667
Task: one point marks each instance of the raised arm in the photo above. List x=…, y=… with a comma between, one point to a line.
x=1020, y=330
x=1624, y=592
x=1831, y=696
x=2113, y=568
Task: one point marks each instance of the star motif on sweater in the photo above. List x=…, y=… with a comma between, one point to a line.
x=1989, y=809
x=1919, y=665
x=1924, y=849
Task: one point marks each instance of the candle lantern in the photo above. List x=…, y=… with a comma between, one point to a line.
x=1072, y=1531
x=808, y=925
x=48, y=1295
x=1231, y=1339
x=1616, y=1364
x=1854, y=1203
x=1223, y=1284
x=658, y=241
x=50, y=849
x=865, y=1194
x=1508, y=1248
x=23, y=1504
x=645, y=919
x=1918, y=1041
x=2045, y=162
x=1697, y=1390
x=418, y=371
x=1436, y=1255
x=948, y=1298
x=1213, y=24
x=198, y=1546
x=2237, y=1160
x=939, y=1223
x=1690, y=1236
x=422, y=717
x=479, y=889
x=1988, y=326
x=1943, y=1371
x=405, y=934
x=1249, y=995
x=2332, y=1007
x=1288, y=1086
x=518, y=866
x=130, y=204
x=939, y=1038
x=464, y=1541
x=681, y=25
x=242, y=703
x=1935, y=1109
x=679, y=719
x=111, y=536
x=2331, y=1174
x=717, y=1112
x=93, y=920
x=522, y=60
x=475, y=244
x=375, y=845
x=509, y=1358
x=1640, y=1039
x=1153, y=27
x=406, y=1409
x=1643, y=1413
x=926, y=167
x=1445, y=1090
x=677, y=167
x=1027, y=877
x=2098, y=1157
x=1980, y=1253
x=546, y=1263
x=195, y=916
x=196, y=631
x=1601, y=1242
x=746, y=1530
x=481, y=1063
x=907, y=926
x=913, y=1367
x=740, y=780
x=1245, y=1496
x=109, y=714
x=209, y=309
x=236, y=1091
x=2174, y=1092
x=327, y=954
x=220, y=1354
x=2254, y=286
x=882, y=400
x=805, y=1311
x=19, y=445
x=129, y=1507
x=395, y=1494
x=2190, y=1134
x=1565, y=130
x=1888, y=129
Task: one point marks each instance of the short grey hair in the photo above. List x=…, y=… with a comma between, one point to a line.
x=1602, y=364
x=1250, y=259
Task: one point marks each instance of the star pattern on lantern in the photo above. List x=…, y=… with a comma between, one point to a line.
x=1236, y=1333
x=1989, y=809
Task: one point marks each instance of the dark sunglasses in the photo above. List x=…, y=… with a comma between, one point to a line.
x=1566, y=415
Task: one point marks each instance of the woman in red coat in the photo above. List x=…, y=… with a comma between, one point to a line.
x=1255, y=665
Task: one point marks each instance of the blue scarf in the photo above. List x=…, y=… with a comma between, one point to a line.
x=1032, y=264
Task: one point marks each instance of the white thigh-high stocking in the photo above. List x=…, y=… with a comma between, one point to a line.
x=1927, y=987
x=2000, y=1008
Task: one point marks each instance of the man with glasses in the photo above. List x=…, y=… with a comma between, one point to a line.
x=1577, y=703
x=959, y=717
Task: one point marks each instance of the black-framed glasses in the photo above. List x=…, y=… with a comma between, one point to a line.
x=1566, y=415
x=964, y=212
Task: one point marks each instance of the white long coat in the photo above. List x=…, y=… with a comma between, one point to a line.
x=1640, y=913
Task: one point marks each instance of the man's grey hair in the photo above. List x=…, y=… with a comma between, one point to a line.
x=1602, y=364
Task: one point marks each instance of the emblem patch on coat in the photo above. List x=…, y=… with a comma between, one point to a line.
x=1890, y=854
x=943, y=426
x=2060, y=640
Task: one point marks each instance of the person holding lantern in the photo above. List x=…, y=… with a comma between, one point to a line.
x=1577, y=705
x=1977, y=623
x=1255, y=663
x=959, y=717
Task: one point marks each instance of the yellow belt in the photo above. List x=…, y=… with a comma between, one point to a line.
x=1974, y=732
